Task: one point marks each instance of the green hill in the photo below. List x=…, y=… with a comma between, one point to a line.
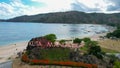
x=70, y=17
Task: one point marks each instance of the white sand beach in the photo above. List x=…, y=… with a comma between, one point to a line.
x=10, y=51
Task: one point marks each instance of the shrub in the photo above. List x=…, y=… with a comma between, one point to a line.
x=117, y=64
x=77, y=40
x=25, y=58
x=64, y=63
x=61, y=63
x=109, y=35
x=113, y=58
x=115, y=33
x=62, y=41
x=55, y=53
x=86, y=39
x=96, y=50
x=51, y=37
x=91, y=43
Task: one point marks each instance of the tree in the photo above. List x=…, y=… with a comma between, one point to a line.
x=109, y=35
x=86, y=39
x=77, y=40
x=96, y=50
x=118, y=27
x=91, y=43
x=116, y=33
x=51, y=37
x=62, y=41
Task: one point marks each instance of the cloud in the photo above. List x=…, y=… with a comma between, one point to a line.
x=115, y=5
x=82, y=7
x=14, y=8
x=102, y=6
x=91, y=5
x=18, y=7
x=56, y=5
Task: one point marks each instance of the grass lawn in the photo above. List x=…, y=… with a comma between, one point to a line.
x=58, y=53
x=109, y=50
x=111, y=46
x=108, y=46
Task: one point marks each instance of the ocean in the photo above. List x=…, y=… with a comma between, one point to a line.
x=16, y=32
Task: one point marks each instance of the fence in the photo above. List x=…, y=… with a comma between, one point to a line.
x=7, y=64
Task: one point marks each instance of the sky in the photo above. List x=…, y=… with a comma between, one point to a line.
x=13, y=8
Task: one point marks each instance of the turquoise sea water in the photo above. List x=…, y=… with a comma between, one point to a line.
x=16, y=32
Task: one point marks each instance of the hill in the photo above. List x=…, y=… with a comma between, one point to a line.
x=69, y=17
x=2, y=20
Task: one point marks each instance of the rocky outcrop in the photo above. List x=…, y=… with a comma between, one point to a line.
x=39, y=47
x=91, y=59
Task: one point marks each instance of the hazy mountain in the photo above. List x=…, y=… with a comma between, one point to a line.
x=1, y=20
x=69, y=17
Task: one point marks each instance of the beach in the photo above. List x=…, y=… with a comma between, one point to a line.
x=15, y=33
x=10, y=51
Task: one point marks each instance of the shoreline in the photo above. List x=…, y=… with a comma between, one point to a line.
x=10, y=51
x=11, y=43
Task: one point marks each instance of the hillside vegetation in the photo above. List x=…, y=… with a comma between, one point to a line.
x=70, y=17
